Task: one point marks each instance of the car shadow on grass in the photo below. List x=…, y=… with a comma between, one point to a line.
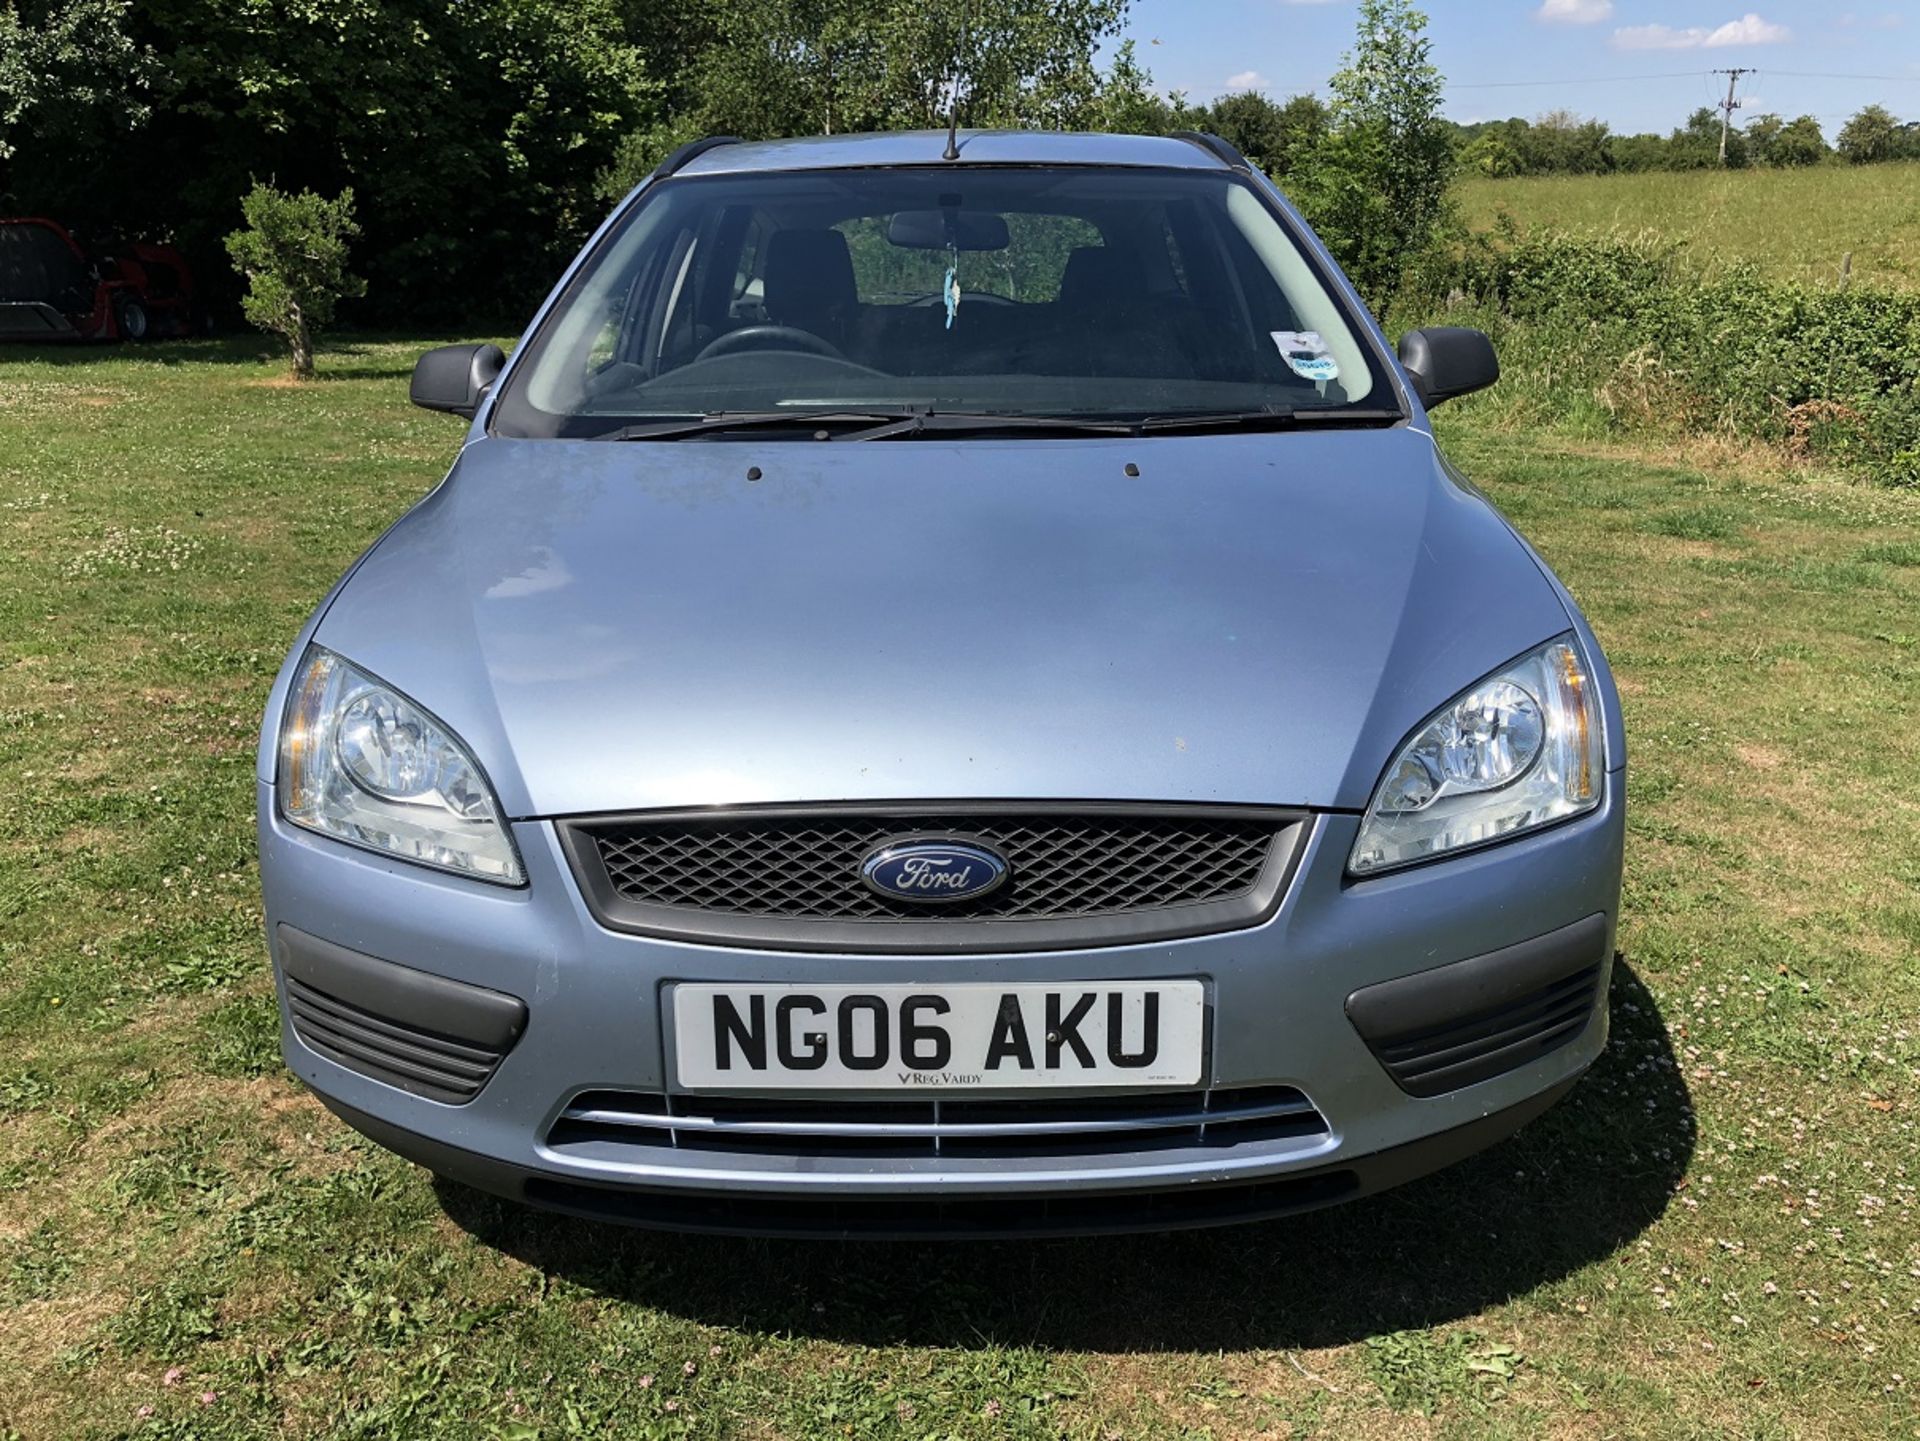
x=1572, y=1188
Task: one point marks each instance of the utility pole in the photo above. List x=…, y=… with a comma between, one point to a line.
x=1729, y=105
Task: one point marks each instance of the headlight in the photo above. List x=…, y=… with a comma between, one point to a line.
x=362, y=763
x=1519, y=750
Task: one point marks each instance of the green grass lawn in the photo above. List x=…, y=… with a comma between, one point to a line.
x=1714, y=1236
x=1797, y=224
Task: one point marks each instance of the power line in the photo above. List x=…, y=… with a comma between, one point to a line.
x=1834, y=75
x=1672, y=75
x=1580, y=80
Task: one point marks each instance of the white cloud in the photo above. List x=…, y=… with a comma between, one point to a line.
x=1749, y=29
x=1575, y=12
x=1658, y=37
x=1247, y=80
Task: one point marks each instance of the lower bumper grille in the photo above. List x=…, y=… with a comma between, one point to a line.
x=603, y=1122
x=1438, y=1030
x=415, y=1060
x=1480, y=1046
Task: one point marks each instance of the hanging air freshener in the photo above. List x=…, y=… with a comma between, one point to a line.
x=950, y=289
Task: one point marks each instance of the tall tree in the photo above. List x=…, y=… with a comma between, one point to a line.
x=1128, y=105
x=472, y=133
x=71, y=75
x=820, y=67
x=824, y=67
x=1377, y=188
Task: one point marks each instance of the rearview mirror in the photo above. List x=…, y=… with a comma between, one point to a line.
x=455, y=378
x=1448, y=360
x=927, y=230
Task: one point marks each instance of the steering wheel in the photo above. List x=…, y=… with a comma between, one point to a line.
x=769, y=337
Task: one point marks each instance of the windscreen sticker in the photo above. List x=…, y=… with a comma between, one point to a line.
x=1306, y=354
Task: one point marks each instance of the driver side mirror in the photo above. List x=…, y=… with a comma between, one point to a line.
x=1448, y=360
x=455, y=378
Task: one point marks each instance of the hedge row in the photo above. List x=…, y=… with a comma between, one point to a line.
x=1634, y=330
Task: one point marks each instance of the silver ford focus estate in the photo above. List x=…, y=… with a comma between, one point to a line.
x=949, y=689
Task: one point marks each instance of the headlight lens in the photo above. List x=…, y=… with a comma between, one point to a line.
x=1519, y=750
x=362, y=763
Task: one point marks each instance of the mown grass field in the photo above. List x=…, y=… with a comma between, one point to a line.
x=1796, y=224
x=1714, y=1236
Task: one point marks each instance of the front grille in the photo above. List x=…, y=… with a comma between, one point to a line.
x=1078, y=876
x=1490, y=1042
x=415, y=1060
x=1062, y=865
x=600, y=1124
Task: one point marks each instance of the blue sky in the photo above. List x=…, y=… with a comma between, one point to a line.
x=1638, y=64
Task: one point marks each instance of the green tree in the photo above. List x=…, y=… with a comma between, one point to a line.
x=69, y=72
x=1490, y=153
x=1376, y=189
x=1277, y=138
x=822, y=67
x=294, y=256
x=825, y=67
x=1128, y=105
x=1696, y=145
x=1762, y=135
x=1566, y=144
x=471, y=133
x=1870, y=136
x=1641, y=152
x=1799, y=143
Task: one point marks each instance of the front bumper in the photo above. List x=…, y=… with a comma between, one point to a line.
x=1284, y=1014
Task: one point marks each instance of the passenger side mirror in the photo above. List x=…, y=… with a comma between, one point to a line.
x=455, y=378
x=1448, y=360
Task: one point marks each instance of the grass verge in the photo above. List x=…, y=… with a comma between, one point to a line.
x=1715, y=1236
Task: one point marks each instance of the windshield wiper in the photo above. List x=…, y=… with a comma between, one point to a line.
x=719, y=421
x=907, y=422
x=951, y=422
x=1329, y=415
x=874, y=424
x=935, y=422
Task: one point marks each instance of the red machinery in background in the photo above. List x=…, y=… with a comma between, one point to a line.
x=54, y=288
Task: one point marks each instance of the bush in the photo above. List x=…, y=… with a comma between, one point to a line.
x=294, y=256
x=1632, y=328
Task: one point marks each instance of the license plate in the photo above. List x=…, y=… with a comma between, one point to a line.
x=974, y=1035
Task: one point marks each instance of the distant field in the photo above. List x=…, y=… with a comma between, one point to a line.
x=1796, y=223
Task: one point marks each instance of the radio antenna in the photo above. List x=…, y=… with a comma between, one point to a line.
x=952, y=152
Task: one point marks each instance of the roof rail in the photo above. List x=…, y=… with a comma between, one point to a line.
x=1216, y=147
x=689, y=151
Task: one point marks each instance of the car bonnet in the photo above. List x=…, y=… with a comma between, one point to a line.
x=1252, y=618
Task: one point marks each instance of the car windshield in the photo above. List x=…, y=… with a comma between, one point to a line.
x=1087, y=294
